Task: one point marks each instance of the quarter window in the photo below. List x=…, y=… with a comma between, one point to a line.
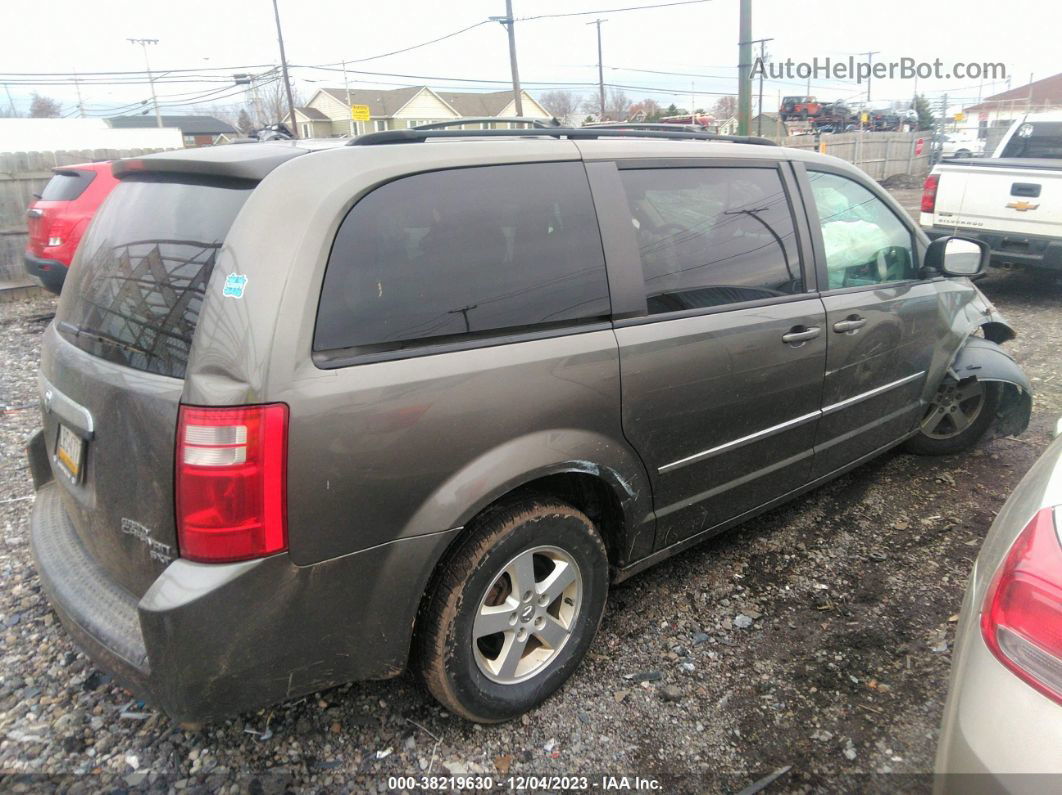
x=866, y=244
x=464, y=253
x=712, y=236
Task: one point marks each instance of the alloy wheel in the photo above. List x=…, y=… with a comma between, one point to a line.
x=954, y=408
x=527, y=614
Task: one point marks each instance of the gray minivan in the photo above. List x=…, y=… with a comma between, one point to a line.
x=312, y=413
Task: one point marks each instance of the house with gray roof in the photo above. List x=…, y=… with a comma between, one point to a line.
x=196, y=130
x=401, y=108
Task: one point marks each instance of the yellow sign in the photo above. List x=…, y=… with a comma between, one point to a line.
x=822, y=146
x=360, y=112
x=864, y=118
x=960, y=116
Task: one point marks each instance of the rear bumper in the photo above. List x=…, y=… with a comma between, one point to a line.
x=1030, y=251
x=998, y=734
x=208, y=641
x=51, y=273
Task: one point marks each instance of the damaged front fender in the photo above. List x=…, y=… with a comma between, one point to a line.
x=987, y=361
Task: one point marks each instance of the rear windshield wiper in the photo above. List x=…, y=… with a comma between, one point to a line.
x=79, y=331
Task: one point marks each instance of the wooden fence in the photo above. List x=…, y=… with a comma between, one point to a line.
x=880, y=154
x=21, y=175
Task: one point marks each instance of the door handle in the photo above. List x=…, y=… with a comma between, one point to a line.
x=849, y=324
x=799, y=335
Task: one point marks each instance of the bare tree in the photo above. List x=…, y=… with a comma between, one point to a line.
x=616, y=105
x=725, y=108
x=227, y=113
x=562, y=104
x=275, y=101
x=44, y=107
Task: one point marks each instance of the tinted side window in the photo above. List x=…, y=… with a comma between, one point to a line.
x=1036, y=139
x=712, y=236
x=134, y=292
x=464, y=252
x=865, y=242
x=67, y=186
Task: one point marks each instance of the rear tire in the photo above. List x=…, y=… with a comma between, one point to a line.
x=513, y=610
x=957, y=417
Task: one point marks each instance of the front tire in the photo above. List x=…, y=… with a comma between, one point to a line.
x=957, y=417
x=513, y=610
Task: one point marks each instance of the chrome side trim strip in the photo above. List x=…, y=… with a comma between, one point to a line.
x=876, y=391
x=752, y=437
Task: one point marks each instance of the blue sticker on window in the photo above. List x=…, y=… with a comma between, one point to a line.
x=235, y=284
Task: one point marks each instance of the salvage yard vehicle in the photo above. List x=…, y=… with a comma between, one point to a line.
x=799, y=108
x=1012, y=200
x=1003, y=718
x=420, y=398
x=59, y=216
x=962, y=144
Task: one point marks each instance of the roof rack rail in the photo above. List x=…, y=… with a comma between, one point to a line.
x=414, y=135
x=645, y=125
x=440, y=125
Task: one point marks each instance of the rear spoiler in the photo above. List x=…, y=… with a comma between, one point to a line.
x=250, y=162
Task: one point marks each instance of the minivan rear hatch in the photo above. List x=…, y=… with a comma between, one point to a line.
x=113, y=363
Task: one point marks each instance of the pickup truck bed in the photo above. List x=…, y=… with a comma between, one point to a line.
x=1013, y=204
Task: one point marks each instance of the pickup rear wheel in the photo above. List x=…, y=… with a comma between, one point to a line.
x=957, y=417
x=513, y=610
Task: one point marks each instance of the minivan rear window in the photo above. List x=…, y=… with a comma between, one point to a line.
x=66, y=186
x=136, y=286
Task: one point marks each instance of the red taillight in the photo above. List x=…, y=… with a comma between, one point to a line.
x=232, y=482
x=929, y=193
x=1021, y=620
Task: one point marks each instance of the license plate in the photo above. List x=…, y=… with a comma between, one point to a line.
x=69, y=451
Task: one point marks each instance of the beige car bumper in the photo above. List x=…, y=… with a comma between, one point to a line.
x=999, y=734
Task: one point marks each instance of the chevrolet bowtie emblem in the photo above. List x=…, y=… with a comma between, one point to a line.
x=1022, y=206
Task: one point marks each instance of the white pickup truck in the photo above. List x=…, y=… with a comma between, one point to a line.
x=1012, y=200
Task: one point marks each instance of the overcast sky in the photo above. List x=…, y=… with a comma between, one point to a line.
x=700, y=39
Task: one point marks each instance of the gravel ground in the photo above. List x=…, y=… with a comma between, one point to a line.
x=817, y=636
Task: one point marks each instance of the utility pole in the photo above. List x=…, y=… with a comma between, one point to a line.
x=80, y=103
x=350, y=108
x=10, y=102
x=759, y=113
x=151, y=79
x=870, y=61
x=284, y=71
x=601, y=68
x=745, y=68
x=510, y=28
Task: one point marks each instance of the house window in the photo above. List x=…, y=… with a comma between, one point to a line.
x=381, y=125
x=306, y=131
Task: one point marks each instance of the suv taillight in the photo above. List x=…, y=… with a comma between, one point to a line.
x=929, y=193
x=231, y=484
x=1021, y=619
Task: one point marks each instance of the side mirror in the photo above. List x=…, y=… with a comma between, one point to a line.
x=957, y=256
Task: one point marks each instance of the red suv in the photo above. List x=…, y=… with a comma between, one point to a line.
x=59, y=216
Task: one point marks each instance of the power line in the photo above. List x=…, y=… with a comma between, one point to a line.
x=612, y=10
x=415, y=46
